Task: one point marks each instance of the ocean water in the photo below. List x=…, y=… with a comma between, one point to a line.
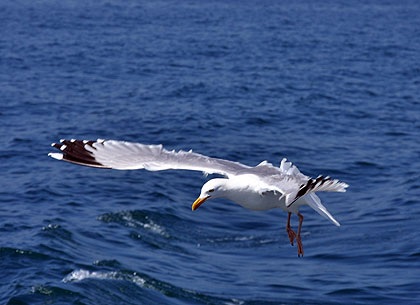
x=334, y=86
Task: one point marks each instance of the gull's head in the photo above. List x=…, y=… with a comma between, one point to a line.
x=214, y=188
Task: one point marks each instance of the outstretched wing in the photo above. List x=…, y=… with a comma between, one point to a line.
x=128, y=156
x=288, y=180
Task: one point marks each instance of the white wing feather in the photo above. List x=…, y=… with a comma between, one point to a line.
x=314, y=202
x=129, y=156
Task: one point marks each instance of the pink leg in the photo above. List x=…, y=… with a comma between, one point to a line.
x=292, y=235
x=298, y=239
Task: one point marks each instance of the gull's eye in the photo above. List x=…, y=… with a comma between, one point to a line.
x=211, y=191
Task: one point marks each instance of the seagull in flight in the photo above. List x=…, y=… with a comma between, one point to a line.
x=256, y=188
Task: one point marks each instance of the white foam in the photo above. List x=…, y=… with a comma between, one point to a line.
x=80, y=275
x=149, y=225
x=234, y=302
x=155, y=228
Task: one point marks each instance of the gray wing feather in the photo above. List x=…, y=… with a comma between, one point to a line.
x=129, y=156
x=286, y=179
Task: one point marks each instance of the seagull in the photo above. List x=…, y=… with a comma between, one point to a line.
x=258, y=188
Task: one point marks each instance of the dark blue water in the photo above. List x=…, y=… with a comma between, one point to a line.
x=334, y=86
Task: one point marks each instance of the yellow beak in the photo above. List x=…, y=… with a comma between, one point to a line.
x=199, y=202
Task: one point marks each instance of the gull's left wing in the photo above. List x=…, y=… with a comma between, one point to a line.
x=292, y=184
x=288, y=180
x=128, y=156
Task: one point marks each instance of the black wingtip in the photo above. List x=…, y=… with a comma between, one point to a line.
x=75, y=151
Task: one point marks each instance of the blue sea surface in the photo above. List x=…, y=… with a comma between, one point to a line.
x=334, y=86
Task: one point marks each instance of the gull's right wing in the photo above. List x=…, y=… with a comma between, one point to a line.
x=128, y=156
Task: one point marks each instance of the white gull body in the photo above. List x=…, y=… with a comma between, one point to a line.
x=257, y=188
x=247, y=191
